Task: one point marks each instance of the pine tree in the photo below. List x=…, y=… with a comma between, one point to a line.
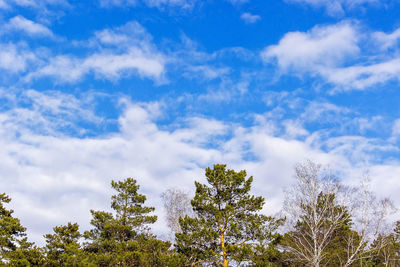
x=11, y=230
x=122, y=238
x=63, y=248
x=14, y=246
x=227, y=227
x=128, y=205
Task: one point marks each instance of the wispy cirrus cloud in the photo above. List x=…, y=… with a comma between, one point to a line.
x=3, y=4
x=184, y=4
x=206, y=72
x=50, y=113
x=364, y=76
x=161, y=4
x=106, y=65
x=118, y=52
x=111, y=3
x=15, y=57
x=190, y=59
x=337, y=7
x=20, y=23
x=387, y=40
x=250, y=18
x=396, y=130
x=37, y=4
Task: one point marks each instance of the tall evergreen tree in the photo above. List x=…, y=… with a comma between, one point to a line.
x=11, y=230
x=122, y=239
x=14, y=246
x=63, y=248
x=228, y=227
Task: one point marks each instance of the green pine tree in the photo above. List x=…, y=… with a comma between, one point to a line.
x=228, y=227
x=15, y=250
x=122, y=238
x=63, y=248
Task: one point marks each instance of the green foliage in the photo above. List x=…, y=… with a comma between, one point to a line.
x=299, y=242
x=226, y=229
x=15, y=250
x=63, y=248
x=128, y=205
x=389, y=252
x=228, y=226
x=336, y=251
x=27, y=254
x=11, y=230
x=122, y=239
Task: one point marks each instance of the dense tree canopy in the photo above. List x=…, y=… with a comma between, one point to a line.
x=63, y=248
x=228, y=227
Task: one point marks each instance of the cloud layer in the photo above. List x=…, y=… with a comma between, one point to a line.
x=19, y=23
x=112, y=54
x=39, y=157
x=160, y=89
x=339, y=54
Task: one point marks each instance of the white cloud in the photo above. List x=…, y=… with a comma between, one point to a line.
x=32, y=28
x=61, y=177
x=387, y=40
x=309, y=51
x=65, y=68
x=294, y=129
x=105, y=65
x=157, y=158
x=122, y=51
x=15, y=58
x=3, y=4
x=336, y=7
x=111, y=3
x=191, y=61
x=207, y=72
x=111, y=65
x=339, y=54
x=37, y=4
x=48, y=113
x=365, y=124
x=396, y=130
x=131, y=34
x=161, y=4
x=250, y=18
x=361, y=77
x=185, y=4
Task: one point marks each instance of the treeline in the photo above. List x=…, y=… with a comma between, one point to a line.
x=323, y=223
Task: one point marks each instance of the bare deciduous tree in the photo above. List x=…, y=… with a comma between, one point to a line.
x=177, y=204
x=369, y=215
x=318, y=206
x=314, y=208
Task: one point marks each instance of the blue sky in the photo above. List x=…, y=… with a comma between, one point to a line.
x=158, y=90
